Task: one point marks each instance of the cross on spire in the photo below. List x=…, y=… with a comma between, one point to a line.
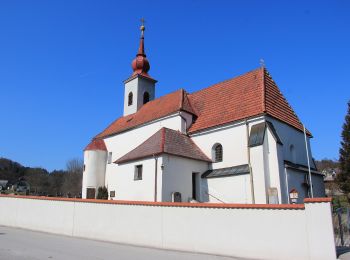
x=142, y=27
x=262, y=63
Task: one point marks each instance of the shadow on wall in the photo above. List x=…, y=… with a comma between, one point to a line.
x=204, y=189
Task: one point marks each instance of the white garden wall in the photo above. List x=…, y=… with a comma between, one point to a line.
x=240, y=230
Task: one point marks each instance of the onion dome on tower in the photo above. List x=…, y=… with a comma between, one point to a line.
x=140, y=64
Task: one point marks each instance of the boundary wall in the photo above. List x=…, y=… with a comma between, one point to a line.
x=253, y=231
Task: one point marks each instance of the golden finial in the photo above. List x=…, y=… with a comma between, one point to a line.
x=142, y=27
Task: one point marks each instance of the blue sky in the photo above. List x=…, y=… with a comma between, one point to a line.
x=62, y=64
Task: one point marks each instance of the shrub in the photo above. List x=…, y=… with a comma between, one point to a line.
x=102, y=193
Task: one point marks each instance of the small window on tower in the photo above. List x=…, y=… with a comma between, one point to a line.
x=130, y=97
x=145, y=97
x=138, y=172
x=109, y=159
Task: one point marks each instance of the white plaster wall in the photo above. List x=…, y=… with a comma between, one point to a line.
x=138, y=86
x=274, y=163
x=258, y=172
x=95, y=170
x=42, y=215
x=319, y=223
x=124, y=142
x=319, y=189
x=296, y=178
x=238, y=232
x=230, y=189
x=233, y=139
x=290, y=136
x=126, y=188
x=177, y=176
x=188, y=118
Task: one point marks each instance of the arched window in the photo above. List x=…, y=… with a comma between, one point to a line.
x=130, y=97
x=145, y=97
x=217, y=153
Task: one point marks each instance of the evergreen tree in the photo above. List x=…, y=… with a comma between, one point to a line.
x=343, y=177
x=102, y=193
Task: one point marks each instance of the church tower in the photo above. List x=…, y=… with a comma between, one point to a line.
x=139, y=87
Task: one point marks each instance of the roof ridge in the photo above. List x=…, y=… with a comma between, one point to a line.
x=224, y=81
x=264, y=70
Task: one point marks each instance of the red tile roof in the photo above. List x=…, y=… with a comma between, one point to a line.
x=96, y=144
x=155, y=109
x=248, y=95
x=245, y=96
x=166, y=141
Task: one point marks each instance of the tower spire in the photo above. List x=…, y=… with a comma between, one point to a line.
x=140, y=64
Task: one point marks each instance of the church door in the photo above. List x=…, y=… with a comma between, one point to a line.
x=90, y=193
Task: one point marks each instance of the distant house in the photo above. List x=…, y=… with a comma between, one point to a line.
x=332, y=188
x=21, y=185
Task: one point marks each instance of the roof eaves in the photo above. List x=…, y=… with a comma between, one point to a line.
x=123, y=161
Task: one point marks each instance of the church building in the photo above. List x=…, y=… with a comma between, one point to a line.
x=238, y=141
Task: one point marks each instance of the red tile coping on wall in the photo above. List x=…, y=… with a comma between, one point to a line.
x=172, y=204
x=317, y=200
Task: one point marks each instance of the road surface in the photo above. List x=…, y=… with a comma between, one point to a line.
x=20, y=244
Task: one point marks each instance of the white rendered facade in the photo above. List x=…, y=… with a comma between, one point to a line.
x=174, y=174
x=262, y=158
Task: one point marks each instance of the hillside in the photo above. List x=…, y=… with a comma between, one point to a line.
x=42, y=182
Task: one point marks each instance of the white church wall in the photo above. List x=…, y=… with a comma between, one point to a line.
x=291, y=136
x=274, y=162
x=137, y=86
x=177, y=176
x=233, y=139
x=123, y=143
x=319, y=189
x=95, y=168
x=230, y=189
x=272, y=231
x=297, y=178
x=258, y=172
x=126, y=187
x=187, y=121
x=284, y=193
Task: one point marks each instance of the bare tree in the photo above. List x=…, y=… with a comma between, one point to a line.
x=75, y=165
x=73, y=179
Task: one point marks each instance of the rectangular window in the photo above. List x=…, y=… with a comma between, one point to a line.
x=138, y=172
x=109, y=160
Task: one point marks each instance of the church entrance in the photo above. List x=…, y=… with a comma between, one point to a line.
x=194, y=185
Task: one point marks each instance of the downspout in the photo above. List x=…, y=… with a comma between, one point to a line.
x=308, y=163
x=155, y=176
x=249, y=164
x=287, y=185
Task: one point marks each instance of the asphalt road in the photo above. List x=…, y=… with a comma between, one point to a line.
x=19, y=244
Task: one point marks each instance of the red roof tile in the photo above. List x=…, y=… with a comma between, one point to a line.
x=155, y=109
x=166, y=141
x=248, y=95
x=245, y=96
x=96, y=144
